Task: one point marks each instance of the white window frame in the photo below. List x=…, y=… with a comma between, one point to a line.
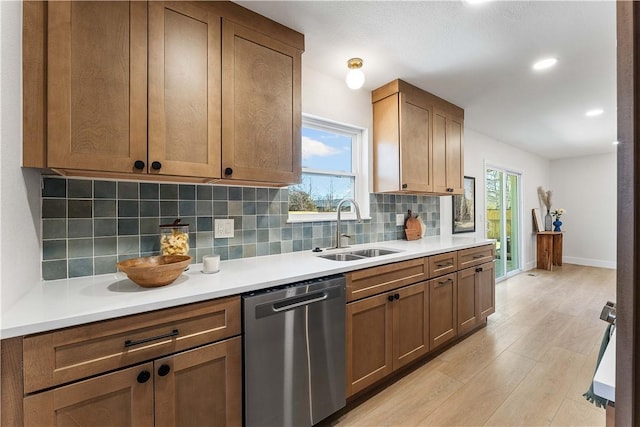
x=359, y=167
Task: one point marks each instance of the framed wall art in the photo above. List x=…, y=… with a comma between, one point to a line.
x=464, y=208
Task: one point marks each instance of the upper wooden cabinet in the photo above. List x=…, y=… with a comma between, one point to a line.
x=448, y=156
x=417, y=141
x=181, y=91
x=184, y=90
x=96, y=85
x=261, y=107
x=402, y=145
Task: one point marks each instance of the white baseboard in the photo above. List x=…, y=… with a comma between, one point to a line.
x=531, y=265
x=589, y=262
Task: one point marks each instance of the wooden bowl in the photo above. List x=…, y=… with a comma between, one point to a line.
x=154, y=271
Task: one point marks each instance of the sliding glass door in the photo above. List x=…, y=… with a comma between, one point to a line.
x=503, y=218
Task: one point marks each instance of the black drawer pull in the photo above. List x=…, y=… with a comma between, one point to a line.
x=129, y=343
x=478, y=256
x=444, y=282
x=479, y=269
x=449, y=264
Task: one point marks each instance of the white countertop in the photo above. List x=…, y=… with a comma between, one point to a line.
x=61, y=303
x=604, y=380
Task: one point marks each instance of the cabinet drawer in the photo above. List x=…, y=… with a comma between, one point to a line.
x=371, y=281
x=443, y=264
x=474, y=256
x=66, y=355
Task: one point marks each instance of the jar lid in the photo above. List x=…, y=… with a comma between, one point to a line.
x=175, y=224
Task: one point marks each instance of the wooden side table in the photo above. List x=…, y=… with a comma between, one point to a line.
x=549, y=249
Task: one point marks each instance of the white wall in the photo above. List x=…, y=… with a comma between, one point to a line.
x=481, y=150
x=586, y=188
x=19, y=189
x=330, y=98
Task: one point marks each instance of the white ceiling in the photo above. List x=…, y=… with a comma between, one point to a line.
x=478, y=57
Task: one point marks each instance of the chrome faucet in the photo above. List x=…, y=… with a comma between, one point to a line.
x=338, y=234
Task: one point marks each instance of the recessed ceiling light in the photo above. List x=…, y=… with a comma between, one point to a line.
x=544, y=64
x=594, y=112
x=474, y=2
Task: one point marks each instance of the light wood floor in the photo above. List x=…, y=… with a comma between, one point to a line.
x=529, y=366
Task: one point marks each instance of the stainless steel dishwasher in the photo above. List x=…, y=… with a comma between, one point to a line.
x=294, y=353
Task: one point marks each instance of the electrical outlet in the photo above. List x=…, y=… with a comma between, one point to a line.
x=399, y=219
x=223, y=228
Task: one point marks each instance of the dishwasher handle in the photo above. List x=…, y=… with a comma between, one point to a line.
x=299, y=301
x=293, y=302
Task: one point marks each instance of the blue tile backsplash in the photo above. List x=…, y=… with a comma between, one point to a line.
x=89, y=225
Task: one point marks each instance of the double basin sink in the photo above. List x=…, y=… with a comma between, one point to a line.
x=358, y=254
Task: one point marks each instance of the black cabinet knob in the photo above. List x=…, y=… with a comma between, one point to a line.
x=396, y=296
x=138, y=164
x=228, y=171
x=390, y=297
x=478, y=270
x=164, y=370
x=143, y=377
x=404, y=186
x=156, y=165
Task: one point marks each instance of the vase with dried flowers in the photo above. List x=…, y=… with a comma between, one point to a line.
x=545, y=198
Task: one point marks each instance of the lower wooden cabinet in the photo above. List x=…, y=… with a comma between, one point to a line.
x=391, y=322
x=199, y=387
x=122, y=398
x=468, y=313
x=410, y=324
x=443, y=315
x=476, y=295
x=384, y=333
x=486, y=284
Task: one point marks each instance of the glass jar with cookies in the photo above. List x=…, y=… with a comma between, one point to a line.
x=174, y=238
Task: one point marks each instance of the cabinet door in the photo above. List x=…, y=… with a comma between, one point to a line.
x=415, y=147
x=448, y=160
x=369, y=345
x=468, y=313
x=443, y=299
x=122, y=398
x=184, y=90
x=410, y=323
x=486, y=278
x=200, y=387
x=97, y=85
x=261, y=110
x=455, y=155
x=439, y=152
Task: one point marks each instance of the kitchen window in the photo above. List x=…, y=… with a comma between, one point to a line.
x=333, y=168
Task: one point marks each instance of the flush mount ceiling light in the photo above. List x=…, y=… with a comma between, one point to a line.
x=595, y=112
x=355, y=76
x=544, y=64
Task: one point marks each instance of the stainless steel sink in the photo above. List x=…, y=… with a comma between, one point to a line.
x=342, y=257
x=359, y=254
x=373, y=252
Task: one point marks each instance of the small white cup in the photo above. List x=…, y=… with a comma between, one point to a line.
x=211, y=264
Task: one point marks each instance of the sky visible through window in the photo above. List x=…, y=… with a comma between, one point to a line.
x=325, y=151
